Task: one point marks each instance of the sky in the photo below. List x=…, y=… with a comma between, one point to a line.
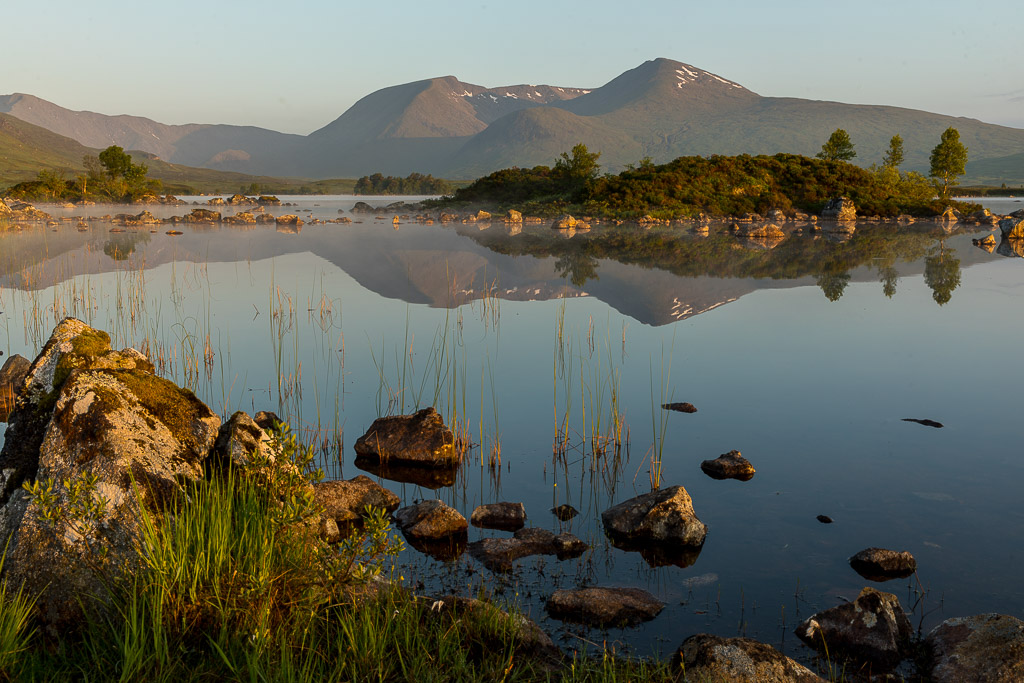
x=296, y=66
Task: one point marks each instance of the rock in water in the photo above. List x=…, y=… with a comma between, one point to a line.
x=419, y=439
x=89, y=411
x=680, y=407
x=507, y=516
x=729, y=465
x=346, y=501
x=986, y=647
x=824, y=519
x=839, y=209
x=872, y=630
x=879, y=564
x=926, y=423
x=433, y=528
x=12, y=377
x=663, y=516
x=739, y=660
x=564, y=512
x=498, y=554
x=604, y=606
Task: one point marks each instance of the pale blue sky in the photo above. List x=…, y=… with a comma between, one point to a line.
x=295, y=67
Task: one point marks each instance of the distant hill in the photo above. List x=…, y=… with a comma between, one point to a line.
x=25, y=149
x=661, y=109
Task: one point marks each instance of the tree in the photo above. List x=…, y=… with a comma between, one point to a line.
x=894, y=157
x=838, y=147
x=948, y=160
x=115, y=161
x=577, y=169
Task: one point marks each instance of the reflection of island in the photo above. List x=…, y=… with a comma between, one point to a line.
x=656, y=276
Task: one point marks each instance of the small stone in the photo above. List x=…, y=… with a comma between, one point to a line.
x=926, y=423
x=680, y=407
x=729, y=465
x=824, y=519
x=564, y=512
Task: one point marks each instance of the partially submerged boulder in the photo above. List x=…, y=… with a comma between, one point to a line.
x=420, y=439
x=986, y=647
x=740, y=660
x=682, y=407
x=564, y=222
x=729, y=465
x=872, y=631
x=498, y=554
x=662, y=516
x=604, y=607
x=128, y=440
x=879, y=564
x=839, y=209
x=506, y=516
x=434, y=528
x=346, y=502
x=1012, y=227
x=564, y=512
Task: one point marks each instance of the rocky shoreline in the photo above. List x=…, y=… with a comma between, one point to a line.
x=83, y=412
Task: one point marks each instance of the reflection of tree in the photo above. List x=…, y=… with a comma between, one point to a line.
x=833, y=280
x=576, y=266
x=120, y=247
x=942, y=274
x=888, y=276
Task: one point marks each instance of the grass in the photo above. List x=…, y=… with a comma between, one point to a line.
x=235, y=585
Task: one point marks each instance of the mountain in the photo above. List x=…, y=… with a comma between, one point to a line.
x=25, y=149
x=661, y=109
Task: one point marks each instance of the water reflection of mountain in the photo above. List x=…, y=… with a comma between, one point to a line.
x=655, y=276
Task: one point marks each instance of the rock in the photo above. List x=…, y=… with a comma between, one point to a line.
x=949, y=216
x=240, y=442
x=824, y=519
x=564, y=223
x=346, y=501
x=241, y=218
x=705, y=657
x=430, y=520
x=871, y=630
x=564, y=512
x=202, y=216
x=482, y=215
x=420, y=439
x=507, y=516
x=267, y=420
x=680, y=407
x=775, y=216
x=87, y=410
x=289, y=219
x=528, y=636
x=604, y=607
x=433, y=528
x=839, y=209
x=879, y=564
x=986, y=647
x=987, y=240
x=663, y=516
x=768, y=230
x=240, y=200
x=926, y=423
x=216, y=201
x=905, y=219
x=268, y=199
x=1012, y=227
x=498, y=554
x=729, y=465
x=363, y=207
x=513, y=216
x=979, y=216
x=12, y=377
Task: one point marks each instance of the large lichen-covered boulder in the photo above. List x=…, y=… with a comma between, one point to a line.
x=986, y=647
x=1012, y=227
x=873, y=631
x=420, y=439
x=88, y=413
x=740, y=660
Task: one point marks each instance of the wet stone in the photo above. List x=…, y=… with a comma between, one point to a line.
x=985, y=647
x=564, y=512
x=729, y=465
x=499, y=554
x=506, y=516
x=604, y=607
x=680, y=407
x=879, y=564
x=707, y=657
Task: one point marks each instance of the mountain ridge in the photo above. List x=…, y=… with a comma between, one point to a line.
x=660, y=109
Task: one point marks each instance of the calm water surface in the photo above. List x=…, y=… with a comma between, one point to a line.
x=804, y=355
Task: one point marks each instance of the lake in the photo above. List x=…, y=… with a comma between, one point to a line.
x=554, y=354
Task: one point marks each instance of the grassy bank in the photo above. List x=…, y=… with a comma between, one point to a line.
x=235, y=584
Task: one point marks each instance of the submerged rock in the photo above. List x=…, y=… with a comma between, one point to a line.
x=498, y=554
x=729, y=465
x=564, y=512
x=986, y=647
x=419, y=439
x=740, y=660
x=879, y=564
x=872, y=631
x=507, y=516
x=604, y=607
